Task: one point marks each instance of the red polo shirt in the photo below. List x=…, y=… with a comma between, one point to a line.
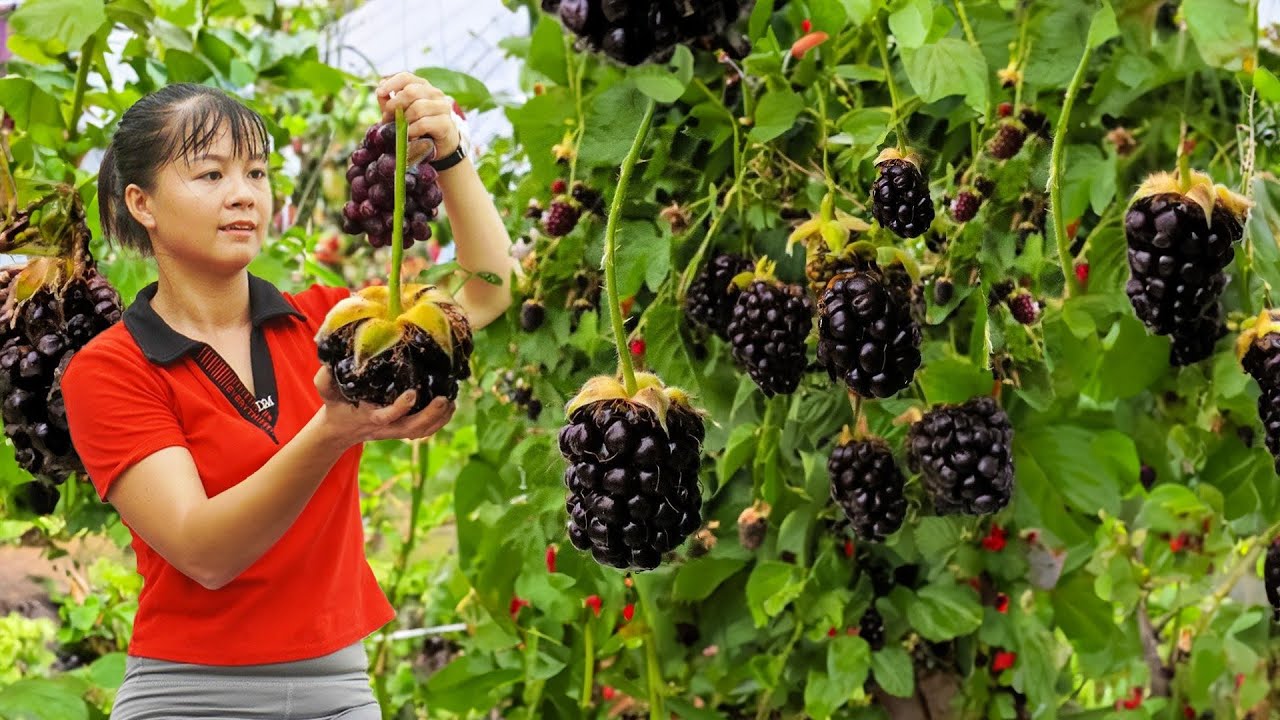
x=141, y=386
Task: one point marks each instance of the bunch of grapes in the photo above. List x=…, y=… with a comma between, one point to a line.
x=372, y=179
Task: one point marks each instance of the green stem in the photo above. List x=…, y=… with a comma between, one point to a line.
x=657, y=689
x=1070, y=284
x=1184, y=159
x=590, y=661
x=687, y=277
x=964, y=22
x=82, y=81
x=898, y=121
x=610, y=247
x=762, y=707
x=397, y=228
x=418, y=465
x=822, y=120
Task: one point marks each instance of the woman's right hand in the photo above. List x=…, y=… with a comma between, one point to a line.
x=363, y=422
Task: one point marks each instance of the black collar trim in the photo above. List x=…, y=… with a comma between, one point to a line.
x=162, y=344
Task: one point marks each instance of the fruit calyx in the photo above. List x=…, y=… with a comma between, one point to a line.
x=1200, y=190
x=650, y=393
x=426, y=307
x=1254, y=329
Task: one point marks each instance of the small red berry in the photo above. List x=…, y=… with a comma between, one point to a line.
x=608, y=693
x=1188, y=712
x=1003, y=660
x=1135, y=699
x=1082, y=273
x=806, y=26
x=1002, y=603
x=1072, y=228
x=627, y=581
x=832, y=631
x=848, y=548
x=851, y=631
x=1179, y=543
x=593, y=602
x=551, y=558
x=996, y=539
x=1239, y=680
x=637, y=347
x=629, y=612
x=1004, y=109
x=517, y=602
x=558, y=186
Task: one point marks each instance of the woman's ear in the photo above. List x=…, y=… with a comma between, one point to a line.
x=139, y=204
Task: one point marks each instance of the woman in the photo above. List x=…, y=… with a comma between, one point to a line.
x=207, y=421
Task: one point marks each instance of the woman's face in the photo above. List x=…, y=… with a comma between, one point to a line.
x=210, y=211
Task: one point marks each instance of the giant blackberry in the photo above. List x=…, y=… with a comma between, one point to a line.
x=376, y=353
x=1258, y=348
x=370, y=209
x=767, y=331
x=633, y=471
x=900, y=197
x=965, y=455
x=1271, y=577
x=636, y=32
x=867, y=484
x=50, y=308
x=1179, y=245
x=712, y=294
x=866, y=335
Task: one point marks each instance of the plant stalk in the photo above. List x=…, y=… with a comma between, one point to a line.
x=590, y=664
x=610, y=249
x=1070, y=284
x=82, y=81
x=418, y=467
x=397, y=230
x=898, y=121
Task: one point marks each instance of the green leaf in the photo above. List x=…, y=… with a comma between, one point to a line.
x=612, y=121
x=821, y=696
x=937, y=537
x=1221, y=30
x=471, y=94
x=1103, y=26
x=848, y=662
x=760, y=15
x=910, y=23
x=894, y=671
x=860, y=73
x=941, y=612
x=1083, y=617
x=643, y=256
x=40, y=699
x=952, y=379
x=948, y=67
x=771, y=587
x=697, y=579
x=28, y=105
x=61, y=25
x=828, y=16
x=1088, y=466
x=108, y=670
x=665, y=84
x=862, y=10
x=1267, y=85
x=775, y=114
x=738, y=452
x=546, y=50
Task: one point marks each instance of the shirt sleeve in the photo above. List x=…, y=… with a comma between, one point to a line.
x=118, y=414
x=316, y=301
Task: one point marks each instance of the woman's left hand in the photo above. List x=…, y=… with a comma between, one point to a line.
x=427, y=111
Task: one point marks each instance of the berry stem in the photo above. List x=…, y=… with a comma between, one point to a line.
x=589, y=663
x=1070, y=283
x=822, y=122
x=610, y=248
x=418, y=466
x=964, y=22
x=899, y=123
x=397, y=229
x=644, y=603
x=1184, y=159
x=82, y=81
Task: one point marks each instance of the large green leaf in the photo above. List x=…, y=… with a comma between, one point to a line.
x=1088, y=466
x=910, y=23
x=944, y=611
x=40, y=699
x=699, y=578
x=771, y=587
x=894, y=671
x=60, y=25
x=469, y=92
x=775, y=114
x=1221, y=29
x=948, y=67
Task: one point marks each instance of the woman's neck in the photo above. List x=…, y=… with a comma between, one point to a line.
x=201, y=304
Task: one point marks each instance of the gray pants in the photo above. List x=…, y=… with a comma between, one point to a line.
x=325, y=688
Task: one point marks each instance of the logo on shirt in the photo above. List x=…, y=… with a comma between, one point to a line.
x=266, y=402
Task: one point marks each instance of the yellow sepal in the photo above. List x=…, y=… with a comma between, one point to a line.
x=374, y=337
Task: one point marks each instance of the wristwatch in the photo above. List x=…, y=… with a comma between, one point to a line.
x=464, y=142
x=449, y=160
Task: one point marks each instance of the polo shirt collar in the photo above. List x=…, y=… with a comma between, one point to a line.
x=162, y=344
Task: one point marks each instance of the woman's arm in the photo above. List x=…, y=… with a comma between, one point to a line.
x=213, y=540
x=482, y=239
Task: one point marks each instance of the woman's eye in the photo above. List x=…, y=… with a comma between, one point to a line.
x=257, y=174
x=212, y=175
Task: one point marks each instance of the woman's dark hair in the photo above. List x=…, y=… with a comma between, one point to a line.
x=177, y=121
